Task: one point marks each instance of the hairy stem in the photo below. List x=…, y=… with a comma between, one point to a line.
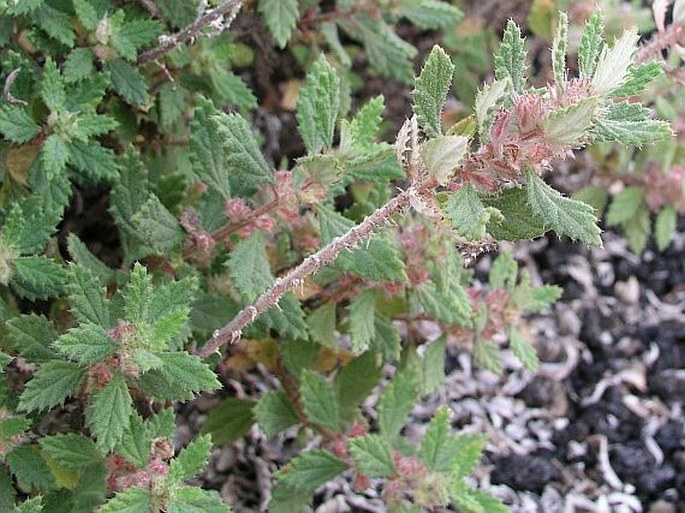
x=232, y=331
x=192, y=31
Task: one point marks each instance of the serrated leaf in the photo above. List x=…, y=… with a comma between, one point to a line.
x=503, y=272
x=78, y=65
x=33, y=505
x=563, y=215
x=387, y=341
x=229, y=420
x=318, y=106
x=131, y=500
x=486, y=354
x=206, y=149
x=275, y=412
x=367, y=122
x=285, y=499
x=157, y=226
x=430, y=90
x=281, y=17
x=451, y=306
x=591, y=44
x=37, y=277
x=71, y=450
x=596, y=197
x=354, y=382
x=51, y=88
x=639, y=77
x=134, y=34
x=559, y=46
x=92, y=125
x=310, y=470
x=51, y=385
x=396, y=403
x=32, y=335
x=186, y=374
x=665, y=226
x=189, y=499
x=93, y=160
x=467, y=213
x=86, y=344
x=539, y=298
x=510, y=61
x=190, y=461
x=109, y=412
x=322, y=323
x=624, y=205
x=632, y=133
x=468, y=450
x=249, y=169
x=362, y=320
x=519, y=221
x=433, y=366
x=16, y=125
x=372, y=455
x=55, y=23
x=54, y=155
x=438, y=447
x=82, y=256
x=443, y=155
x=637, y=229
x=87, y=13
x=523, y=350
x=319, y=400
x=13, y=425
x=5, y=360
x=128, y=81
x=135, y=443
x=30, y=469
x=23, y=7
x=86, y=296
x=487, y=101
x=232, y=88
x=613, y=64
x=432, y=14
x=249, y=266
x=137, y=294
x=287, y=319
x=569, y=125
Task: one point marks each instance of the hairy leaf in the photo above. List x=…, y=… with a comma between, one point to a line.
x=207, y=151
x=88, y=299
x=281, y=17
x=591, y=44
x=131, y=500
x=16, y=125
x=319, y=400
x=624, y=205
x=32, y=335
x=430, y=90
x=310, y=470
x=110, y=412
x=372, y=455
x=362, y=320
x=665, y=226
x=51, y=385
x=249, y=266
x=229, y=420
x=191, y=461
x=396, y=403
x=71, y=450
x=275, y=412
x=510, y=61
x=188, y=499
x=86, y=344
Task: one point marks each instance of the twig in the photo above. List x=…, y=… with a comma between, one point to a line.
x=232, y=331
x=170, y=43
x=6, y=93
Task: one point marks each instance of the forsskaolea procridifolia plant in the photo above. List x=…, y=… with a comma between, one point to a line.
x=221, y=249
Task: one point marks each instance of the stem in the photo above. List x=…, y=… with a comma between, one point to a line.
x=231, y=333
x=192, y=31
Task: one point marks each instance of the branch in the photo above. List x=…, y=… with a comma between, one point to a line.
x=231, y=333
x=192, y=31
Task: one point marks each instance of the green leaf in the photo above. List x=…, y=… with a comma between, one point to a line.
x=437, y=448
x=207, y=152
x=56, y=24
x=372, y=456
x=71, y=450
x=488, y=101
x=172, y=103
x=542, y=297
x=366, y=124
x=229, y=420
x=191, y=461
x=33, y=505
x=134, y=34
x=82, y=256
x=443, y=155
x=78, y=65
x=51, y=385
x=318, y=106
x=467, y=213
x=137, y=294
x=249, y=266
x=570, y=125
x=396, y=403
x=430, y=91
x=132, y=500
x=281, y=17
x=319, y=400
x=287, y=319
x=157, y=226
x=86, y=296
x=591, y=44
x=486, y=354
x=185, y=375
x=310, y=470
x=86, y=344
x=510, y=61
x=433, y=366
x=94, y=161
x=639, y=77
x=5, y=360
x=14, y=425
x=503, y=272
x=189, y=499
x=30, y=469
x=322, y=323
x=637, y=229
x=249, y=169
x=665, y=226
x=54, y=155
x=355, y=381
x=362, y=320
x=232, y=88
x=596, y=197
x=451, y=305
x=87, y=13
x=285, y=499
x=37, y=277
x=275, y=412
x=519, y=221
x=469, y=449
x=51, y=88
x=613, y=65
x=559, y=46
x=564, y=215
x=16, y=125
x=523, y=350
x=387, y=341
x=624, y=205
x=93, y=125
x=109, y=413
x=432, y=14
x=32, y=335
x=136, y=442
x=24, y=7
x=128, y=81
